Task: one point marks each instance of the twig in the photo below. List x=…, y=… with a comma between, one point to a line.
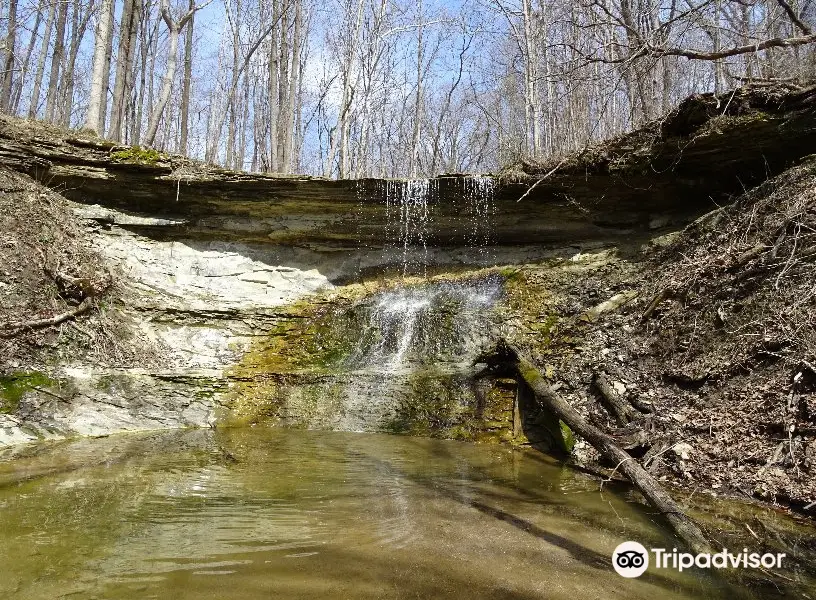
x=550, y=172
x=13, y=329
x=751, y=531
x=45, y=391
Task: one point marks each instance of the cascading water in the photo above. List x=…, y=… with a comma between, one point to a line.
x=411, y=362
x=437, y=323
x=413, y=211
x=480, y=201
x=406, y=354
x=422, y=323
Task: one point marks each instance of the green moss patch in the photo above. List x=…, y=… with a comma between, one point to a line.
x=135, y=154
x=14, y=386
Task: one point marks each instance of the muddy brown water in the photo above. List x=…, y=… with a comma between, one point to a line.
x=273, y=513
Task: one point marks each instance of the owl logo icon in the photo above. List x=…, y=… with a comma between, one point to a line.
x=630, y=559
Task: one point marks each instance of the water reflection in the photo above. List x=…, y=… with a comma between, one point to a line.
x=262, y=513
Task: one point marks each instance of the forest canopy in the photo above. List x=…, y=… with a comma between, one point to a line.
x=387, y=88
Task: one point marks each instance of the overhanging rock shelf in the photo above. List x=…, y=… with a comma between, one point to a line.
x=700, y=154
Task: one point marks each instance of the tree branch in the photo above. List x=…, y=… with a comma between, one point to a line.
x=747, y=49
x=794, y=17
x=9, y=330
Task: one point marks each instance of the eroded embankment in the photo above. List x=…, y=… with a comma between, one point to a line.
x=711, y=346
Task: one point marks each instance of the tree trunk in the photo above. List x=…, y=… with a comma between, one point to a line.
x=123, y=85
x=298, y=127
x=95, y=118
x=283, y=89
x=15, y=103
x=34, y=103
x=233, y=105
x=274, y=84
x=414, y=161
x=683, y=526
x=56, y=61
x=66, y=91
x=149, y=32
x=174, y=30
x=532, y=101
x=294, y=89
x=9, y=66
x=103, y=114
x=167, y=87
x=122, y=57
x=185, y=89
x=344, y=118
x=79, y=25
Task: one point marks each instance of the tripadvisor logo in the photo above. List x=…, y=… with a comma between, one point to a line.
x=631, y=559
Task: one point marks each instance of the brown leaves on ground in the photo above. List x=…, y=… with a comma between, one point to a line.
x=47, y=269
x=740, y=324
x=726, y=358
x=736, y=339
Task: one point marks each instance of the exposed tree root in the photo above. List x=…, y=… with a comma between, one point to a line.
x=9, y=330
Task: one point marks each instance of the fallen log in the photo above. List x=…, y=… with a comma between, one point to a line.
x=621, y=412
x=685, y=528
x=8, y=330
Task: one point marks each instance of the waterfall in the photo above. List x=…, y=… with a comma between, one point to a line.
x=420, y=323
x=415, y=209
x=401, y=359
x=436, y=323
x=411, y=364
x=480, y=208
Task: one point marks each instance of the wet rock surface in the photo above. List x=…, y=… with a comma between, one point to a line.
x=223, y=276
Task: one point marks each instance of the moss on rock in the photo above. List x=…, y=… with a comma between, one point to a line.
x=14, y=386
x=135, y=154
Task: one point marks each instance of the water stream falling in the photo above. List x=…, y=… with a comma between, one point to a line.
x=405, y=358
x=417, y=209
x=433, y=321
x=437, y=323
x=479, y=196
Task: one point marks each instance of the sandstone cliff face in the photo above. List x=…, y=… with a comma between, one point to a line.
x=212, y=259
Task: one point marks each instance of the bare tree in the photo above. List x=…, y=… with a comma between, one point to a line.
x=128, y=29
x=10, y=49
x=174, y=29
x=395, y=88
x=56, y=60
x=79, y=24
x=34, y=102
x=95, y=117
x=186, y=83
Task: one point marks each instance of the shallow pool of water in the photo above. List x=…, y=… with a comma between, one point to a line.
x=271, y=513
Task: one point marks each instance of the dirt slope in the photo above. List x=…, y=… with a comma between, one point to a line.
x=48, y=268
x=717, y=347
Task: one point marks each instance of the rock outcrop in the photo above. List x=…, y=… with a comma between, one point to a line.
x=665, y=174
x=211, y=258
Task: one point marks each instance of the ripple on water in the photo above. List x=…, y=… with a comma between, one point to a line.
x=298, y=514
